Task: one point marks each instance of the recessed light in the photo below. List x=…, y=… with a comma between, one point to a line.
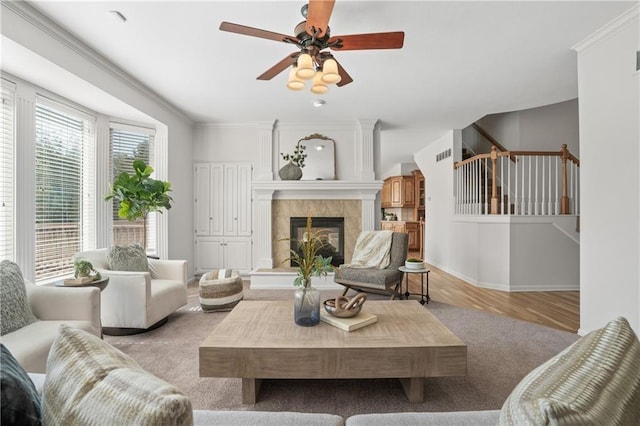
x=319, y=102
x=118, y=15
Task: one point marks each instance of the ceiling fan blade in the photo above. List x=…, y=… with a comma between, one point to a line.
x=344, y=77
x=318, y=16
x=255, y=32
x=393, y=40
x=279, y=67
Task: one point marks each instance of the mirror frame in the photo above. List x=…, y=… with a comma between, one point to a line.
x=318, y=136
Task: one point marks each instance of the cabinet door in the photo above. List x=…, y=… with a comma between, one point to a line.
x=386, y=226
x=414, y=240
x=230, y=199
x=399, y=227
x=408, y=192
x=217, y=199
x=386, y=194
x=396, y=192
x=202, y=179
x=244, y=200
x=237, y=254
x=209, y=254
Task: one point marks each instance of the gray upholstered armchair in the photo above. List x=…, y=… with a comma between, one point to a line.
x=373, y=280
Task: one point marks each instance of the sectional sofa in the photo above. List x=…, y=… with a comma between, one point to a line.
x=596, y=380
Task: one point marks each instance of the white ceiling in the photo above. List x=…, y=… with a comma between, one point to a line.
x=460, y=60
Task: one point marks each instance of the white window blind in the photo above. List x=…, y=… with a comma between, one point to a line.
x=129, y=143
x=7, y=160
x=65, y=188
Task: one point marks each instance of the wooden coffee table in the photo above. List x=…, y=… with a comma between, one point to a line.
x=259, y=340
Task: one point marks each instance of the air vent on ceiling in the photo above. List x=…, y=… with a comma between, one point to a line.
x=444, y=154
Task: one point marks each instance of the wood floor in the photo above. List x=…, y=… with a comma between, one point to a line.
x=556, y=309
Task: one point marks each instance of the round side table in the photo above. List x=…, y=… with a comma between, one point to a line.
x=424, y=297
x=101, y=284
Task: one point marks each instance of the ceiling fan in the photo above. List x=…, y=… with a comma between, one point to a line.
x=312, y=37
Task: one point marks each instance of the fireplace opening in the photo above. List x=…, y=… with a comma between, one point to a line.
x=331, y=233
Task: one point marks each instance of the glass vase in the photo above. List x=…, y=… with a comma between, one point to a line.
x=306, y=305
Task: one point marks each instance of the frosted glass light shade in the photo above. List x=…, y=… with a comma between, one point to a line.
x=305, y=67
x=330, y=72
x=319, y=86
x=294, y=83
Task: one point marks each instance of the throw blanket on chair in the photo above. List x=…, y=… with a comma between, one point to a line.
x=372, y=250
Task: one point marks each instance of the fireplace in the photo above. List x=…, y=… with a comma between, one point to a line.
x=330, y=231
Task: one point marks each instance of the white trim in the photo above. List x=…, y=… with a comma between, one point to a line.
x=283, y=280
x=133, y=128
x=617, y=24
x=48, y=27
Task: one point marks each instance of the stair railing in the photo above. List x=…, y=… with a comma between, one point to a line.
x=532, y=183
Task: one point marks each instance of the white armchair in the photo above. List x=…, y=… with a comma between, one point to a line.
x=135, y=302
x=52, y=306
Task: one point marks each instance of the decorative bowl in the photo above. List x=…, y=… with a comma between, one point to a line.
x=414, y=264
x=344, y=307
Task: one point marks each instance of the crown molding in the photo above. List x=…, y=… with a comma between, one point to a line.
x=618, y=24
x=51, y=29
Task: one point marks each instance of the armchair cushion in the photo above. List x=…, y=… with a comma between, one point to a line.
x=131, y=257
x=16, y=311
x=89, y=381
x=20, y=400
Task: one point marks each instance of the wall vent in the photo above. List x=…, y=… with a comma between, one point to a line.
x=444, y=154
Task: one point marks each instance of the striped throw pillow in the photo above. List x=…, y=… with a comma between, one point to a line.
x=89, y=381
x=595, y=381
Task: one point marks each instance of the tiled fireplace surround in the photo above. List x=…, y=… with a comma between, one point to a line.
x=276, y=202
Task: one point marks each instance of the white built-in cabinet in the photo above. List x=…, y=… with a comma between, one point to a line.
x=222, y=216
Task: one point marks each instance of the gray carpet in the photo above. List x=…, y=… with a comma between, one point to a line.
x=500, y=352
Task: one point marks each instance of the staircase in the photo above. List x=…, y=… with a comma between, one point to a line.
x=516, y=182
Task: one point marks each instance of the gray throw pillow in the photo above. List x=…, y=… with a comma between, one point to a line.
x=15, y=307
x=128, y=258
x=20, y=401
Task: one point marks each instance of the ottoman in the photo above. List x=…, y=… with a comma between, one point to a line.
x=220, y=293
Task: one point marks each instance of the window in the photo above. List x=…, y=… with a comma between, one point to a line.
x=129, y=143
x=65, y=187
x=7, y=119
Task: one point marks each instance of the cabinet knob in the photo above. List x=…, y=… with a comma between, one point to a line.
x=211, y=218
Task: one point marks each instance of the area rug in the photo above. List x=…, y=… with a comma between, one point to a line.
x=501, y=351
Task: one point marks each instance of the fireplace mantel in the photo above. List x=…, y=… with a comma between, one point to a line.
x=265, y=192
x=319, y=189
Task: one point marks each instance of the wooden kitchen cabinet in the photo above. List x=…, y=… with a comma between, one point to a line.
x=398, y=191
x=411, y=228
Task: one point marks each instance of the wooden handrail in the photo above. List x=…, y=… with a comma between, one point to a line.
x=490, y=138
x=564, y=155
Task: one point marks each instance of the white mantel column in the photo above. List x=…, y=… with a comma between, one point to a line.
x=264, y=168
x=366, y=157
x=262, y=234
x=368, y=212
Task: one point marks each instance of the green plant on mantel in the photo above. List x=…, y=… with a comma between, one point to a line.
x=298, y=155
x=138, y=194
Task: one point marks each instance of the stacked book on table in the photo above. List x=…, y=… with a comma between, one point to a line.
x=349, y=324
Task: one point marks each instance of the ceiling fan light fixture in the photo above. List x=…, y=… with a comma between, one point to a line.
x=330, y=71
x=305, y=70
x=319, y=86
x=294, y=83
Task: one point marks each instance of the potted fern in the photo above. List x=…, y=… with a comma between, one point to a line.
x=138, y=194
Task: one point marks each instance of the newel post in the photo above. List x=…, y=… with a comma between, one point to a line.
x=494, y=180
x=564, y=201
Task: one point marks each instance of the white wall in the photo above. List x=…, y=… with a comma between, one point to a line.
x=498, y=252
x=544, y=128
x=608, y=90
x=49, y=41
